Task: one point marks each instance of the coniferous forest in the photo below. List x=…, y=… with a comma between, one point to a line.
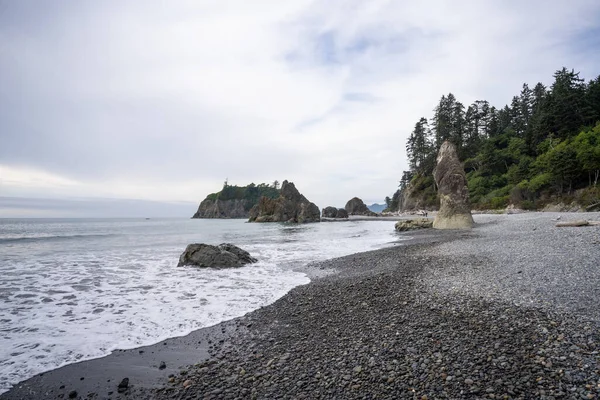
x=542, y=148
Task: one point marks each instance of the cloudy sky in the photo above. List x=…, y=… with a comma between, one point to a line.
x=163, y=101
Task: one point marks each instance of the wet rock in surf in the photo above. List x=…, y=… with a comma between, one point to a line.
x=225, y=255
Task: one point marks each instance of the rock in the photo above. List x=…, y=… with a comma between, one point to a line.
x=162, y=365
x=342, y=213
x=222, y=256
x=234, y=201
x=413, y=224
x=123, y=385
x=233, y=208
x=329, y=212
x=455, y=211
x=332, y=212
x=355, y=206
x=290, y=206
x=72, y=394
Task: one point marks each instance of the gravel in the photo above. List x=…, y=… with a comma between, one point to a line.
x=507, y=310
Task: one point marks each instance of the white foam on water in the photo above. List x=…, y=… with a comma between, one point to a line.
x=84, y=297
x=82, y=314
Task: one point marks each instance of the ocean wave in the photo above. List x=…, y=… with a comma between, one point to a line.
x=38, y=238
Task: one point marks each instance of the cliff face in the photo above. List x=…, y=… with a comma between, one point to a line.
x=233, y=208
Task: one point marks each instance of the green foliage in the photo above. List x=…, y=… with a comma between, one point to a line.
x=250, y=194
x=537, y=148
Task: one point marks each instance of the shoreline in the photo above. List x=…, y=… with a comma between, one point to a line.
x=352, y=327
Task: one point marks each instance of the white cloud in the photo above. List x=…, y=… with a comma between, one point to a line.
x=148, y=101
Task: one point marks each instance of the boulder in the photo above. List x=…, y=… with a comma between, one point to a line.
x=224, y=255
x=329, y=212
x=290, y=206
x=455, y=210
x=342, y=213
x=332, y=212
x=356, y=206
x=413, y=224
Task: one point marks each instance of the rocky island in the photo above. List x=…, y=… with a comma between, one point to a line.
x=235, y=201
x=290, y=206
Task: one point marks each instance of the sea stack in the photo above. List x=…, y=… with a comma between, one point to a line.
x=449, y=175
x=290, y=206
x=356, y=206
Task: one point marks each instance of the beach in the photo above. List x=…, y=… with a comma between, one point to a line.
x=508, y=309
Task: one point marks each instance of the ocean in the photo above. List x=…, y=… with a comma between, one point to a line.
x=76, y=289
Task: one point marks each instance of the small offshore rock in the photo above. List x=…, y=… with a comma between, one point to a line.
x=222, y=256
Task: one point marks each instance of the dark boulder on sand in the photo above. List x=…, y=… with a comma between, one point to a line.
x=455, y=209
x=224, y=255
x=290, y=206
x=356, y=206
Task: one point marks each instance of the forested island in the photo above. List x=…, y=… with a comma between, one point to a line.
x=543, y=148
x=235, y=201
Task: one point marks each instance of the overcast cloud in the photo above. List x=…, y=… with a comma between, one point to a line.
x=164, y=100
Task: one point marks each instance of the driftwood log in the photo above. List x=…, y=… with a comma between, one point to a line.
x=578, y=222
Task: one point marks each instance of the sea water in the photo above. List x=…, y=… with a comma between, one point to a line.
x=76, y=289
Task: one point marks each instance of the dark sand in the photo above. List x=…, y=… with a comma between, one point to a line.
x=507, y=310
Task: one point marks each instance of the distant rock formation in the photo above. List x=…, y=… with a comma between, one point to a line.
x=329, y=212
x=377, y=208
x=356, y=206
x=224, y=255
x=234, y=201
x=413, y=224
x=342, y=213
x=455, y=210
x=290, y=206
x=234, y=208
x=332, y=212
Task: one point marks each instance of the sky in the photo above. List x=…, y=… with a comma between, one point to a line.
x=162, y=101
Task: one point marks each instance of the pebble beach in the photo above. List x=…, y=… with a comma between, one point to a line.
x=507, y=310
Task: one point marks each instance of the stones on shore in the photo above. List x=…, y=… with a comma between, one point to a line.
x=225, y=255
x=290, y=206
x=123, y=385
x=455, y=210
x=332, y=212
x=356, y=206
x=375, y=331
x=413, y=224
